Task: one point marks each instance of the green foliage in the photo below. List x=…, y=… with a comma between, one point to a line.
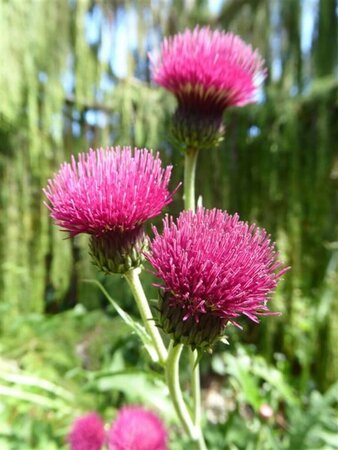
x=295, y=422
x=61, y=366
x=134, y=325
x=80, y=361
x=278, y=166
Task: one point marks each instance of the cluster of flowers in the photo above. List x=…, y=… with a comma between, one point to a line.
x=213, y=267
x=134, y=428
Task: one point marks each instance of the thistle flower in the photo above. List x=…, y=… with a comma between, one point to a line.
x=109, y=194
x=137, y=429
x=214, y=268
x=207, y=71
x=87, y=433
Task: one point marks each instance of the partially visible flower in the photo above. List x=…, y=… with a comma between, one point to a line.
x=109, y=194
x=214, y=268
x=87, y=433
x=137, y=429
x=207, y=71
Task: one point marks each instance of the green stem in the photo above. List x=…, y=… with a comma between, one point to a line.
x=189, y=203
x=135, y=285
x=189, y=178
x=195, y=387
x=172, y=375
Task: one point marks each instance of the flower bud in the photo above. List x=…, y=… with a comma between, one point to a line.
x=200, y=332
x=118, y=251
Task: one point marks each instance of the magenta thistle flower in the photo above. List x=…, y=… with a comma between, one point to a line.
x=108, y=190
x=87, y=433
x=207, y=71
x=137, y=429
x=109, y=193
x=214, y=268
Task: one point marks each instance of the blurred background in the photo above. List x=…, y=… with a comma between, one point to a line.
x=74, y=75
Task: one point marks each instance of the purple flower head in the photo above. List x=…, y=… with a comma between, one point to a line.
x=113, y=189
x=137, y=429
x=87, y=433
x=214, y=268
x=109, y=193
x=207, y=71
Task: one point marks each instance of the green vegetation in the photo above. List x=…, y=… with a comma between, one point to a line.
x=63, y=348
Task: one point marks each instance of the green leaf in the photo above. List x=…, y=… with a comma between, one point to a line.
x=36, y=399
x=136, y=327
x=138, y=386
x=36, y=382
x=240, y=372
x=275, y=379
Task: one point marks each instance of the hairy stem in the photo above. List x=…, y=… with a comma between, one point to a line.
x=132, y=277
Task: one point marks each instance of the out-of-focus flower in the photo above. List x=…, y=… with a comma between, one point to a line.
x=207, y=71
x=109, y=194
x=265, y=411
x=137, y=429
x=87, y=433
x=214, y=268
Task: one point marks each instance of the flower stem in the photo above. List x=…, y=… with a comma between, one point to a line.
x=132, y=277
x=189, y=178
x=195, y=387
x=189, y=203
x=196, y=395
x=172, y=375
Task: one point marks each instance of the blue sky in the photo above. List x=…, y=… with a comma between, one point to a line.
x=118, y=37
